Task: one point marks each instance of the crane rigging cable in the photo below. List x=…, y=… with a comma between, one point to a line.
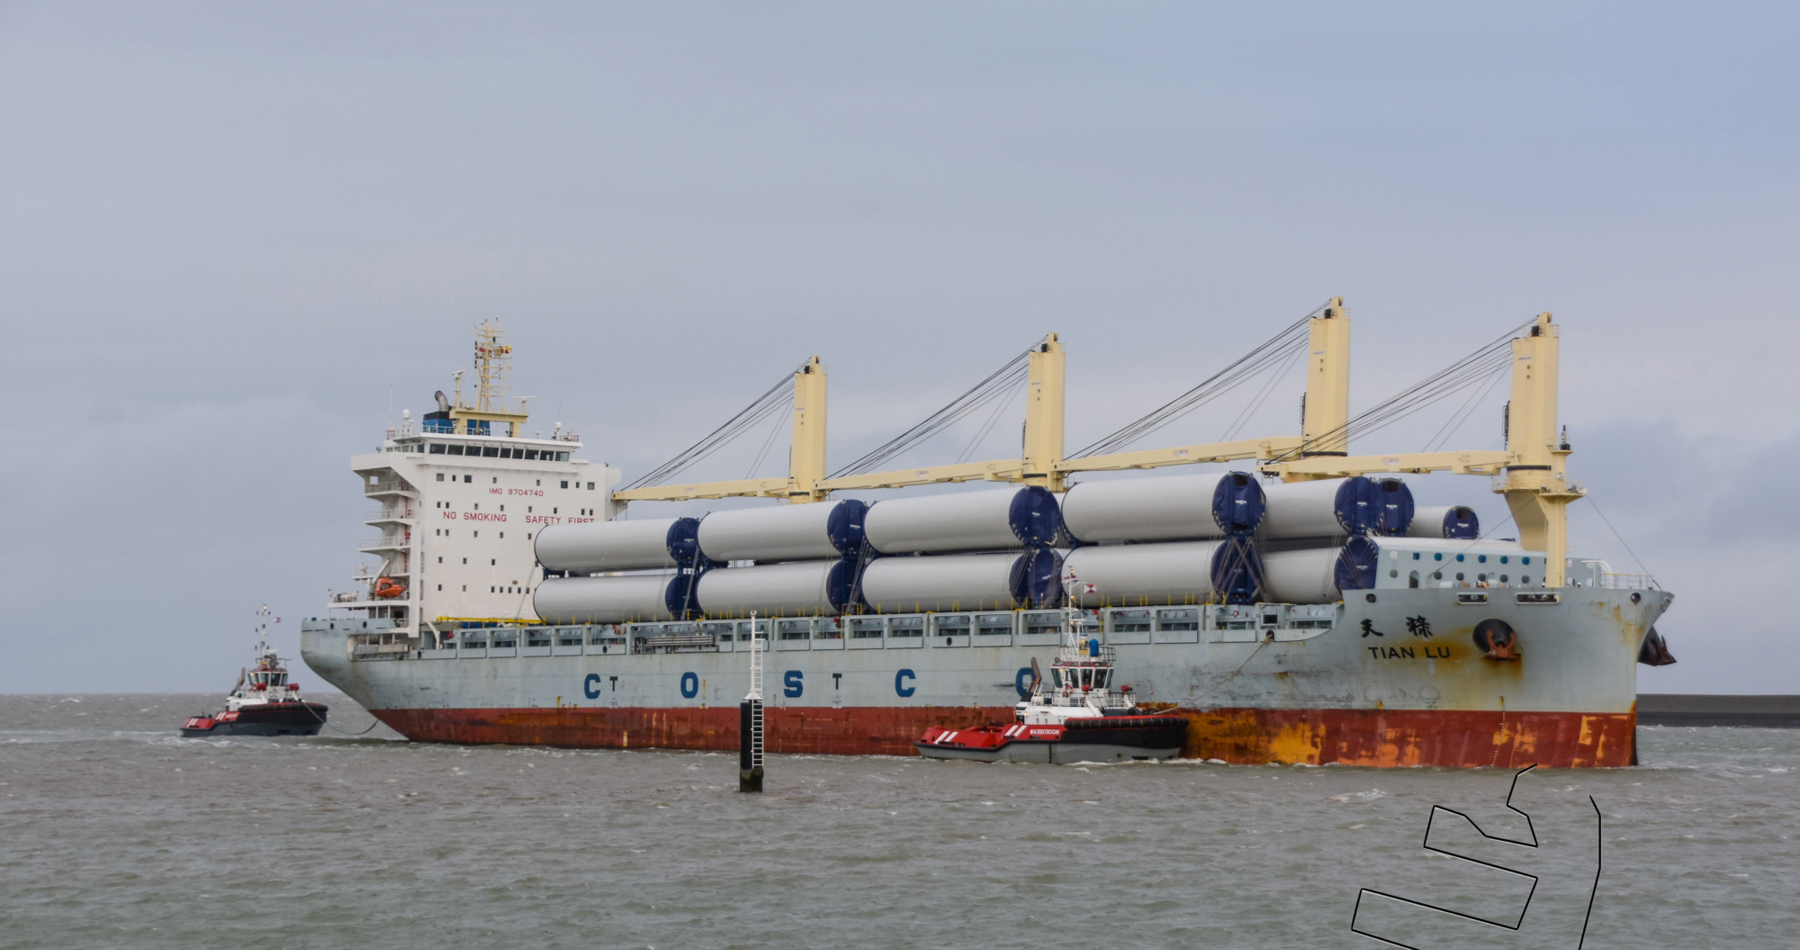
x=1279, y=351
x=775, y=400
x=999, y=384
x=1481, y=366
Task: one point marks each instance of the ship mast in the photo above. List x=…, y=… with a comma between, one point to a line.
x=494, y=412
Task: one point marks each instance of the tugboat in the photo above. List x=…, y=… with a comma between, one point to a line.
x=1076, y=717
x=264, y=702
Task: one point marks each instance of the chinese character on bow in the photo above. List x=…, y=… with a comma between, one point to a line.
x=1368, y=629
x=1418, y=627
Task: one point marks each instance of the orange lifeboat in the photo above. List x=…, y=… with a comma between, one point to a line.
x=387, y=588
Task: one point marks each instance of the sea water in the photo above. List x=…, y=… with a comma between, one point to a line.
x=116, y=832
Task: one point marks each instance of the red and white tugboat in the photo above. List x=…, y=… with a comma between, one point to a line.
x=1076, y=717
x=264, y=702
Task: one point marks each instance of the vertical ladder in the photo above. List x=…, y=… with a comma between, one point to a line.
x=750, y=720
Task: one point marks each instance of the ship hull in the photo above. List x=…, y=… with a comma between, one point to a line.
x=273, y=719
x=1378, y=688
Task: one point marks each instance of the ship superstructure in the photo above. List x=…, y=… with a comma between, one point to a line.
x=462, y=494
x=1300, y=608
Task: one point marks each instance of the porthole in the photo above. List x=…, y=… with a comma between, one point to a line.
x=1459, y=557
x=1369, y=597
x=1482, y=558
x=1437, y=557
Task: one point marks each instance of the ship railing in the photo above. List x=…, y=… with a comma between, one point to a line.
x=391, y=514
x=670, y=643
x=1626, y=581
x=387, y=487
x=376, y=544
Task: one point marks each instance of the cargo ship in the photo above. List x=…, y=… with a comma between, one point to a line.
x=1297, y=608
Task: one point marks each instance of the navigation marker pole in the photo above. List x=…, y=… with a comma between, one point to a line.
x=750, y=721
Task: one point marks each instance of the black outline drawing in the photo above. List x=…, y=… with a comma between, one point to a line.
x=1599, y=864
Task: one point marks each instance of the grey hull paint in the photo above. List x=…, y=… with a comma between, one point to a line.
x=1578, y=655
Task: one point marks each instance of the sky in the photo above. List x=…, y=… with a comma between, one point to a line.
x=236, y=240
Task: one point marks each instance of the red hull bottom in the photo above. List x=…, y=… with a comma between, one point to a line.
x=1456, y=739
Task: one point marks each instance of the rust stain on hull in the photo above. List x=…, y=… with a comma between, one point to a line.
x=1370, y=737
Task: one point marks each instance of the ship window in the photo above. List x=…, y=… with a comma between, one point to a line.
x=455, y=450
x=1415, y=555
x=440, y=586
x=1437, y=557
x=502, y=534
x=491, y=562
x=565, y=484
x=531, y=454
x=1482, y=558
x=1394, y=573
x=590, y=486
x=468, y=479
x=1525, y=578
x=1056, y=677
x=1459, y=557
x=1503, y=559
x=1459, y=575
x=1503, y=578
x=1524, y=560
x=1412, y=580
x=492, y=451
x=437, y=448
x=1437, y=575
x=562, y=456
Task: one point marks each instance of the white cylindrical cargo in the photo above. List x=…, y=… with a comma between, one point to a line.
x=624, y=598
x=606, y=545
x=1302, y=509
x=800, y=589
x=783, y=533
x=1167, y=508
x=1304, y=576
x=904, y=585
x=1144, y=575
x=1444, y=521
x=964, y=521
x=1334, y=507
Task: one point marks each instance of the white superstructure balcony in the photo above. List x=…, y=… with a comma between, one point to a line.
x=391, y=514
x=390, y=543
x=389, y=486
